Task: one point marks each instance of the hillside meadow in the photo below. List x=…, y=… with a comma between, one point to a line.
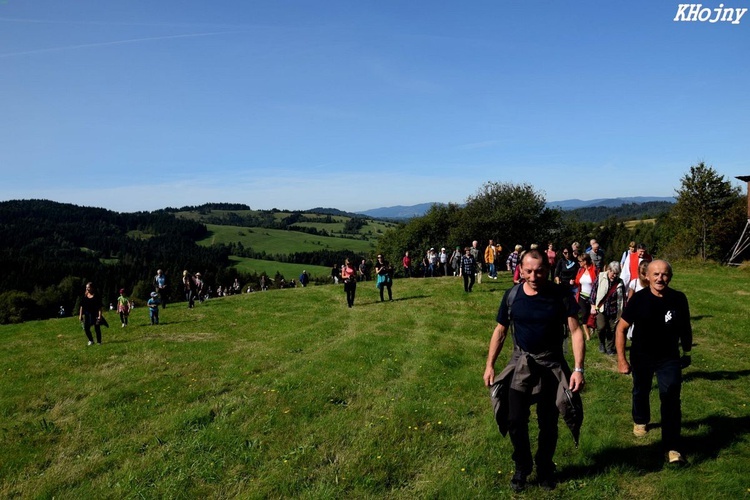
x=280, y=241
x=288, y=270
x=290, y=394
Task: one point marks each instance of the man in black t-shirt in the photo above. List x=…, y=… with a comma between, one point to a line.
x=662, y=322
x=539, y=311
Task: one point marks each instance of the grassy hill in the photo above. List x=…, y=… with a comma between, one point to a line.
x=289, y=393
x=332, y=224
x=272, y=233
x=288, y=270
x=279, y=241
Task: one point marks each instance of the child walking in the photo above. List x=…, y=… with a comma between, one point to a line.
x=153, y=308
x=123, y=307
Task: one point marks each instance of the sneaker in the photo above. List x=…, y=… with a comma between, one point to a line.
x=518, y=481
x=640, y=430
x=601, y=348
x=675, y=457
x=123, y=325
x=90, y=343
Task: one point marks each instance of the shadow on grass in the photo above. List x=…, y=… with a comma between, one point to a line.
x=399, y=299
x=722, y=432
x=716, y=375
x=701, y=316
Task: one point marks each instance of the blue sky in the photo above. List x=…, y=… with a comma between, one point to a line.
x=135, y=105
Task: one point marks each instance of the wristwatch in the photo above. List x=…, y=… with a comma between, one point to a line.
x=580, y=370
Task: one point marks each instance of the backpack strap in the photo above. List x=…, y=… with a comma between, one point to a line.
x=566, y=300
x=509, y=302
x=511, y=297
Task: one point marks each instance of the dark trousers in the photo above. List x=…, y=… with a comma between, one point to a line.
x=350, y=287
x=605, y=326
x=519, y=410
x=88, y=320
x=190, y=297
x=385, y=284
x=468, y=282
x=162, y=296
x=669, y=379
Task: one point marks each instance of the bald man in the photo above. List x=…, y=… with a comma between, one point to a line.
x=662, y=323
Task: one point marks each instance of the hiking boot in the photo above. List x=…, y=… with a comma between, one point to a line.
x=676, y=458
x=518, y=481
x=640, y=430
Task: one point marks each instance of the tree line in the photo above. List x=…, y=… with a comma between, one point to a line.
x=50, y=250
x=705, y=222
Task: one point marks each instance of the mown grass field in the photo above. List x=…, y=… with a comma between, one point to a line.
x=290, y=394
x=289, y=271
x=278, y=241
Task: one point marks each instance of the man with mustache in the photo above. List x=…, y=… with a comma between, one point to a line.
x=661, y=319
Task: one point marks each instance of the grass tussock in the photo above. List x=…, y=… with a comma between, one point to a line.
x=290, y=393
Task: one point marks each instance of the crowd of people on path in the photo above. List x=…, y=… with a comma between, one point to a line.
x=542, y=311
x=571, y=294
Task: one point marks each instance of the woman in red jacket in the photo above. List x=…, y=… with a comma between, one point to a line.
x=585, y=282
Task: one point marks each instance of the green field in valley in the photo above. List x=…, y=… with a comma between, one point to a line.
x=290, y=394
x=289, y=271
x=278, y=241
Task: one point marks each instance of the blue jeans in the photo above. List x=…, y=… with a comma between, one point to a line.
x=493, y=272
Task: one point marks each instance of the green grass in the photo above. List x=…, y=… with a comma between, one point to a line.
x=289, y=271
x=290, y=394
x=277, y=241
x=372, y=229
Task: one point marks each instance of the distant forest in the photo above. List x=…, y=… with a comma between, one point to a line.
x=50, y=250
x=629, y=211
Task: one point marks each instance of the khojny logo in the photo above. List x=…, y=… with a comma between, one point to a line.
x=697, y=12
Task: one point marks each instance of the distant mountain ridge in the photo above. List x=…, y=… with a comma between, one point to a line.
x=407, y=212
x=606, y=202
x=399, y=211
